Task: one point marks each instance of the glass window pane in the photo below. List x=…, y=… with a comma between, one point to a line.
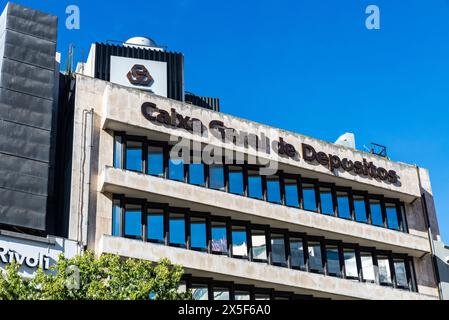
x=273, y=189
x=367, y=266
x=360, y=208
x=254, y=184
x=333, y=260
x=376, y=212
x=308, y=191
x=278, y=249
x=242, y=295
x=134, y=156
x=176, y=169
x=401, y=273
x=239, y=245
x=133, y=220
x=200, y=292
x=219, y=237
x=198, y=233
x=384, y=269
x=221, y=293
x=350, y=263
x=392, y=216
x=156, y=161
x=116, y=218
x=344, y=210
x=118, y=149
x=315, y=259
x=182, y=288
x=259, y=244
x=236, y=180
x=177, y=229
x=155, y=225
x=196, y=174
x=327, y=206
x=261, y=296
x=297, y=253
x=291, y=193
x=216, y=177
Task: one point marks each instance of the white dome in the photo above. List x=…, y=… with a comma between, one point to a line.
x=140, y=42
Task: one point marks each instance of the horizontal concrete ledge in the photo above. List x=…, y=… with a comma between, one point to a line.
x=241, y=271
x=176, y=193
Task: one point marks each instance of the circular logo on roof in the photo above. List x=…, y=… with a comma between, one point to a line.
x=139, y=75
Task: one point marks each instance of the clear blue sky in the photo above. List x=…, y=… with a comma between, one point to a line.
x=308, y=66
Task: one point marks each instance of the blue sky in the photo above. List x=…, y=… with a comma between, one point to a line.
x=308, y=66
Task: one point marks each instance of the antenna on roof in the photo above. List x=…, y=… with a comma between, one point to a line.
x=378, y=149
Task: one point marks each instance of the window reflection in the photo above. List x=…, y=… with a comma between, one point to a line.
x=297, y=253
x=384, y=270
x=196, y=174
x=200, y=291
x=198, y=239
x=344, y=210
x=315, y=258
x=176, y=169
x=134, y=155
x=367, y=266
x=242, y=295
x=291, y=193
x=133, y=221
x=118, y=151
x=400, y=272
x=236, y=180
x=360, y=208
x=308, y=191
x=216, y=177
x=327, y=206
x=278, y=249
x=259, y=244
x=333, y=260
x=255, y=184
x=350, y=263
x=273, y=189
x=116, y=218
x=155, y=225
x=239, y=242
x=376, y=212
x=392, y=216
x=177, y=231
x=219, y=237
x=221, y=293
x=156, y=161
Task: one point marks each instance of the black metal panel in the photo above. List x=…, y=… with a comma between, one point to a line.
x=174, y=60
x=204, y=102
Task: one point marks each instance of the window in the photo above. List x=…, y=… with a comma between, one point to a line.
x=196, y=174
x=221, y=293
x=198, y=238
x=384, y=270
x=261, y=296
x=200, y=291
x=308, y=191
x=350, y=263
x=315, y=258
x=255, y=184
x=297, y=253
x=156, y=161
x=118, y=152
x=344, y=209
x=116, y=218
x=259, y=245
x=367, y=266
x=219, y=237
x=273, y=189
x=239, y=242
x=392, y=216
x=216, y=177
x=182, y=288
x=360, y=208
x=134, y=155
x=376, y=212
x=177, y=231
x=278, y=249
x=176, y=169
x=291, y=192
x=155, y=225
x=403, y=226
x=333, y=260
x=327, y=204
x=400, y=272
x=242, y=295
x=133, y=221
x=236, y=180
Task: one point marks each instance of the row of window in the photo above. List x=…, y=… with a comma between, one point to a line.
x=200, y=231
x=152, y=157
x=209, y=289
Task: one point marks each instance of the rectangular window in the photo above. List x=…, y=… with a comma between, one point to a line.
x=196, y=174
x=315, y=257
x=255, y=184
x=116, y=218
x=392, y=216
x=360, y=208
x=261, y=296
x=384, y=270
x=177, y=229
x=221, y=293
x=156, y=161
x=297, y=253
x=401, y=273
x=350, y=263
x=333, y=260
x=376, y=212
x=236, y=180
x=309, y=199
x=198, y=238
x=278, y=256
x=155, y=225
x=134, y=155
x=219, y=237
x=344, y=209
x=327, y=204
x=118, y=152
x=176, y=169
x=291, y=193
x=242, y=295
x=133, y=221
x=367, y=266
x=273, y=189
x=239, y=242
x=200, y=291
x=259, y=245
x=216, y=177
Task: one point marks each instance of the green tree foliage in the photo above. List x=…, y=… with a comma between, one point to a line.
x=88, y=278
